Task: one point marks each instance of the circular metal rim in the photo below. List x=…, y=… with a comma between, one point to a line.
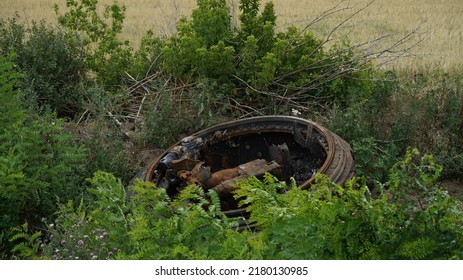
x=253, y=120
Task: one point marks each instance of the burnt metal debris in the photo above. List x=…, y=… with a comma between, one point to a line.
x=217, y=157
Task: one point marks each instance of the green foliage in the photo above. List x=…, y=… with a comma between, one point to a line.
x=211, y=22
x=430, y=117
x=262, y=26
x=73, y=237
x=146, y=60
x=95, y=230
x=215, y=63
x=292, y=62
x=26, y=245
x=51, y=62
x=54, y=70
x=106, y=151
x=411, y=218
x=372, y=159
x=12, y=35
x=190, y=227
x=260, y=196
x=422, y=111
x=366, y=117
x=110, y=209
x=105, y=53
x=334, y=222
x=39, y=164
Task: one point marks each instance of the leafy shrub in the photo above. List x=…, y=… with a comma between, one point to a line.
x=255, y=57
x=105, y=53
x=411, y=218
x=27, y=245
x=12, y=35
x=146, y=60
x=184, y=227
x=420, y=110
x=39, y=164
x=92, y=232
x=106, y=150
x=52, y=64
x=211, y=22
x=431, y=117
x=54, y=70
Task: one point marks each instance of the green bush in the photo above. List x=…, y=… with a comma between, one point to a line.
x=253, y=58
x=183, y=227
x=104, y=53
x=12, y=35
x=54, y=70
x=146, y=60
x=39, y=164
x=410, y=218
x=95, y=231
x=52, y=64
x=422, y=111
x=430, y=117
x=106, y=151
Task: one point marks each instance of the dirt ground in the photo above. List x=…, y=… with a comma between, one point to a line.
x=454, y=187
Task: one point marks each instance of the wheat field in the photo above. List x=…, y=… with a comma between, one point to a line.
x=439, y=23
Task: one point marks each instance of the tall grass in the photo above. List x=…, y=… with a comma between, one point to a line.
x=440, y=22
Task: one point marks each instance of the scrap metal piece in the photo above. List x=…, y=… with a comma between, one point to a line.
x=197, y=176
x=189, y=148
x=184, y=164
x=165, y=163
x=223, y=175
x=282, y=155
x=256, y=167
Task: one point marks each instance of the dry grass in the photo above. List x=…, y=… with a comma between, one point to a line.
x=440, y=20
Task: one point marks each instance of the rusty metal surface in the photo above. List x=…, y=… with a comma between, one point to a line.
x=218, y=156
x=258, y=167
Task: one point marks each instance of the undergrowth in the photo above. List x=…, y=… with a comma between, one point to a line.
x=75, y=99
x=410, y=218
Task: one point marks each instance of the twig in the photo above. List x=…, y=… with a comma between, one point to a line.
x=240, y=107
x=114, y=118
x=392, y=141
x=81, y=117
x=141, y=105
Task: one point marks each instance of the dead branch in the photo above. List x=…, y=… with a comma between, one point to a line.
x=378, y=52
